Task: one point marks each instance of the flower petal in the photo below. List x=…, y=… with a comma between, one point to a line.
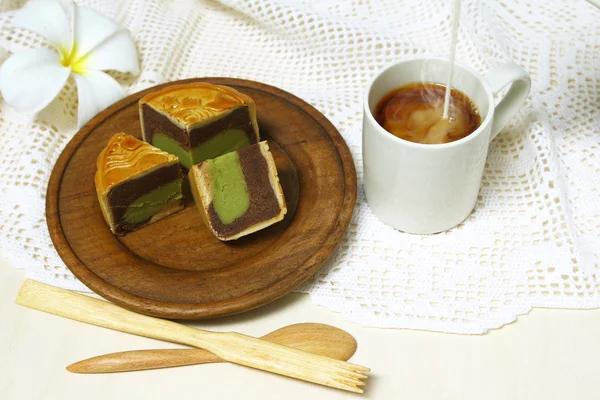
x=90, y=28
x=30, y=80
x=117, y=52
x=47, y=18
x=96, y=91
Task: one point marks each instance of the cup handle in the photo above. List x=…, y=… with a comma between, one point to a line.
x=520, y=84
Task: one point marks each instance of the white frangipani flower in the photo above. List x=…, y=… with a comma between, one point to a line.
x=595, y=2
x=86, y=43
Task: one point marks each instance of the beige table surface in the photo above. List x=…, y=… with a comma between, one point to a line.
x=548, y=354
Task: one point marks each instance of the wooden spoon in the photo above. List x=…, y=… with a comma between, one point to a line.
x=324, y=340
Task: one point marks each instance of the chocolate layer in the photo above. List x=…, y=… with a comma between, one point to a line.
x=156, y=122
x=263, y=202
x=126, y=192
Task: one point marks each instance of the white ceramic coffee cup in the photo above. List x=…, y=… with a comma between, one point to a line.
x=429, y=188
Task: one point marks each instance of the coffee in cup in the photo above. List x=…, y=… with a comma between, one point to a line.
x=414, y=112
x=428, y=188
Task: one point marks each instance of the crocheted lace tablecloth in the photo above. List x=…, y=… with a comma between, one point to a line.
x=534, y=237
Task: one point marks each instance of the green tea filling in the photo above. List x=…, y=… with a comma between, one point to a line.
x=225, y=142
x=145, y=206
x=231, y=198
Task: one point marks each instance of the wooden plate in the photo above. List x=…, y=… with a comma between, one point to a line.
x=175, y=268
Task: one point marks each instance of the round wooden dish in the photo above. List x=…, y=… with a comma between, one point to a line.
x=175, y=268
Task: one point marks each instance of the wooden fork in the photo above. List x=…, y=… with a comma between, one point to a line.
x=232, y=347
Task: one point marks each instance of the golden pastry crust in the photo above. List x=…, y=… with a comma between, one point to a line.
x=194, y=103
x=125, y=156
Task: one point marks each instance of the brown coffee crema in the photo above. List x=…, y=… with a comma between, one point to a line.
x=414, y=112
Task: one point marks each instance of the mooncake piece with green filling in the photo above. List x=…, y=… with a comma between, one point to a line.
x=238, y=193
x=198, y=121
x=136, y=183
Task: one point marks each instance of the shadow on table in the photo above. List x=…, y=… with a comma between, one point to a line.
x=270, y=310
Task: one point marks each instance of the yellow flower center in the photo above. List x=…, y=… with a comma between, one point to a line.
x=73, y=60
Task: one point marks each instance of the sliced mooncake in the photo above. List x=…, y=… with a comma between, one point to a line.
x=198, y=121
x=136, y=183
x=238, y=193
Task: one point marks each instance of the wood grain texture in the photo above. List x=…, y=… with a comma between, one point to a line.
x=175, y=268
x=324, y=340
x=232, y=347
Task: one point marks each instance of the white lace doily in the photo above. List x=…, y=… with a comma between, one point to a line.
x=534, y=238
